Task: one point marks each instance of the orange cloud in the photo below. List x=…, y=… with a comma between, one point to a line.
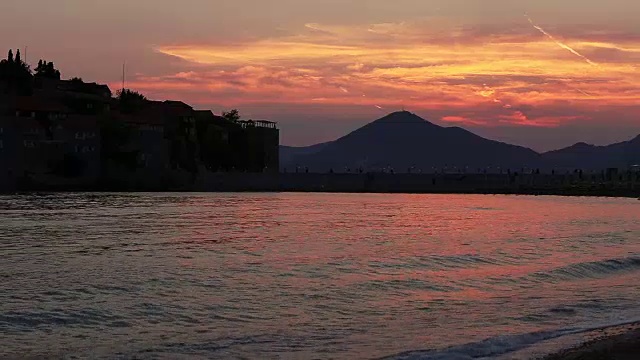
x=475, y=76
x=463, y=120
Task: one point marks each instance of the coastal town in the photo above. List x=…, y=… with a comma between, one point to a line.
x=320, y=179
x=73, y=134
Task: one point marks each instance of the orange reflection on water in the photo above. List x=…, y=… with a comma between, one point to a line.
x=474, y=265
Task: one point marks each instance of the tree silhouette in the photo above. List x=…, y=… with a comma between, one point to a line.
x=127, y=94
x=18, y=57
x=232, y=115
x=130, y=101
x=16, y=74
x=47, y=70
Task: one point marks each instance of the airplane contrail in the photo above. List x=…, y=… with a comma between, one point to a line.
x=559, y=43
x=346, y=91
x=583, y=92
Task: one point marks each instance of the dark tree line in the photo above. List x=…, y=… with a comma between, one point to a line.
x=131, y=101
x=17, y=76
x=47, y=70
x=232, y=115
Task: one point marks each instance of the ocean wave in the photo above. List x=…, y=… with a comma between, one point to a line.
x=491, y=347
x=404, y=284
x=573, y=272
x=443, y=262
x=588, y=270
x=29, y=321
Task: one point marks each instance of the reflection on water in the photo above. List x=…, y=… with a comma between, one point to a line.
x=306, y=275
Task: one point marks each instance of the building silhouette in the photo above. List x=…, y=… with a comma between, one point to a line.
x=56, y=132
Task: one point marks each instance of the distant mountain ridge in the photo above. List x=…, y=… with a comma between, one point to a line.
x=288, y=153
x=404, y=142
x=586, y=156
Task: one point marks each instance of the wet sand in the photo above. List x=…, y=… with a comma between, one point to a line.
x=616, y=344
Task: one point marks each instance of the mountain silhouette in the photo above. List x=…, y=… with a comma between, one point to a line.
x=403, y=140
x=585, y=156
x=289, y=153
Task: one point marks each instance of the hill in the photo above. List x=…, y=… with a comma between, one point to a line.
x=289, y=153
x=403, y=140
x=591, y=157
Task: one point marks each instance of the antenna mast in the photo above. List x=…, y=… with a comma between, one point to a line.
x=123, y=72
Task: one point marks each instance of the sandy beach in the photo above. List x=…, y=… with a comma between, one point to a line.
x=621, y=343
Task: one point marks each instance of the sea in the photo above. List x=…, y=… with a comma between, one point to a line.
x=312, y=276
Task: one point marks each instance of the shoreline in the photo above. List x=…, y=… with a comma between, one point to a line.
x=523, y=192
x=373, y=183
x=619, y=343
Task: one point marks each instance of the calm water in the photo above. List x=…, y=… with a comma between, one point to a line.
x=310, y=275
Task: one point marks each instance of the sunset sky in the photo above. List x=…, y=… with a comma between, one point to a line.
x=543, y=74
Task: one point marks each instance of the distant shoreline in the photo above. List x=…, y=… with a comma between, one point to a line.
x=559, y=192
x=378, y=183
